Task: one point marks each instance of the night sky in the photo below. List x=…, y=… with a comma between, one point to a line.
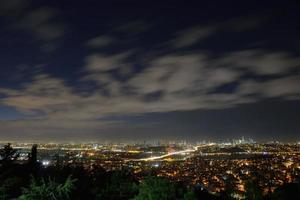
x=126, y=70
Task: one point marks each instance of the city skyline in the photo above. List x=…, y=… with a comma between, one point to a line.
x=122, y=71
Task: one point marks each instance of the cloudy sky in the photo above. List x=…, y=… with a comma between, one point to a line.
x=125, y=70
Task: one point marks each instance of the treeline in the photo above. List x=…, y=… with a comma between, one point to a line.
x=31, y=181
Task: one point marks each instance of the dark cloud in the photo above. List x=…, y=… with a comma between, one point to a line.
x=13, y=7
x=100, y=41
x=175, y=82
x=138, y=69
x=41, y=22
x=133, y=27
x=193, y=35
x=262, y=62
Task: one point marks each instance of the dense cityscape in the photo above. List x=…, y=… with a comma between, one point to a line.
x=213, y=167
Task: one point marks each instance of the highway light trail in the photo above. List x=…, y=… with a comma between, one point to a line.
x=168, y=154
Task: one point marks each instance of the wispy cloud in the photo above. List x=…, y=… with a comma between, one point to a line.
x=166, y=82
x=196, y=34
x=41, y=22
x=133, y=27
x=101, y=62
x=13, y=7
x=100, y=41
x=177, y=81
x=193, y=36
x=262, y=62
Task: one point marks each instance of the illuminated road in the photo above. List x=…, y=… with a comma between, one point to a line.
x=168, y=154
x=175, y=153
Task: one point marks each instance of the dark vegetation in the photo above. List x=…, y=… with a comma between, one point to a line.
x=31, y=181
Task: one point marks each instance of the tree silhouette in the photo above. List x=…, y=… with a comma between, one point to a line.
x=121, y=185
x=287, y=191
x=156, y=188
x=48, y=190
x=9, y=187
x=189, y=195
x=253, y=191
x=32, y=157
x=8, y=155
